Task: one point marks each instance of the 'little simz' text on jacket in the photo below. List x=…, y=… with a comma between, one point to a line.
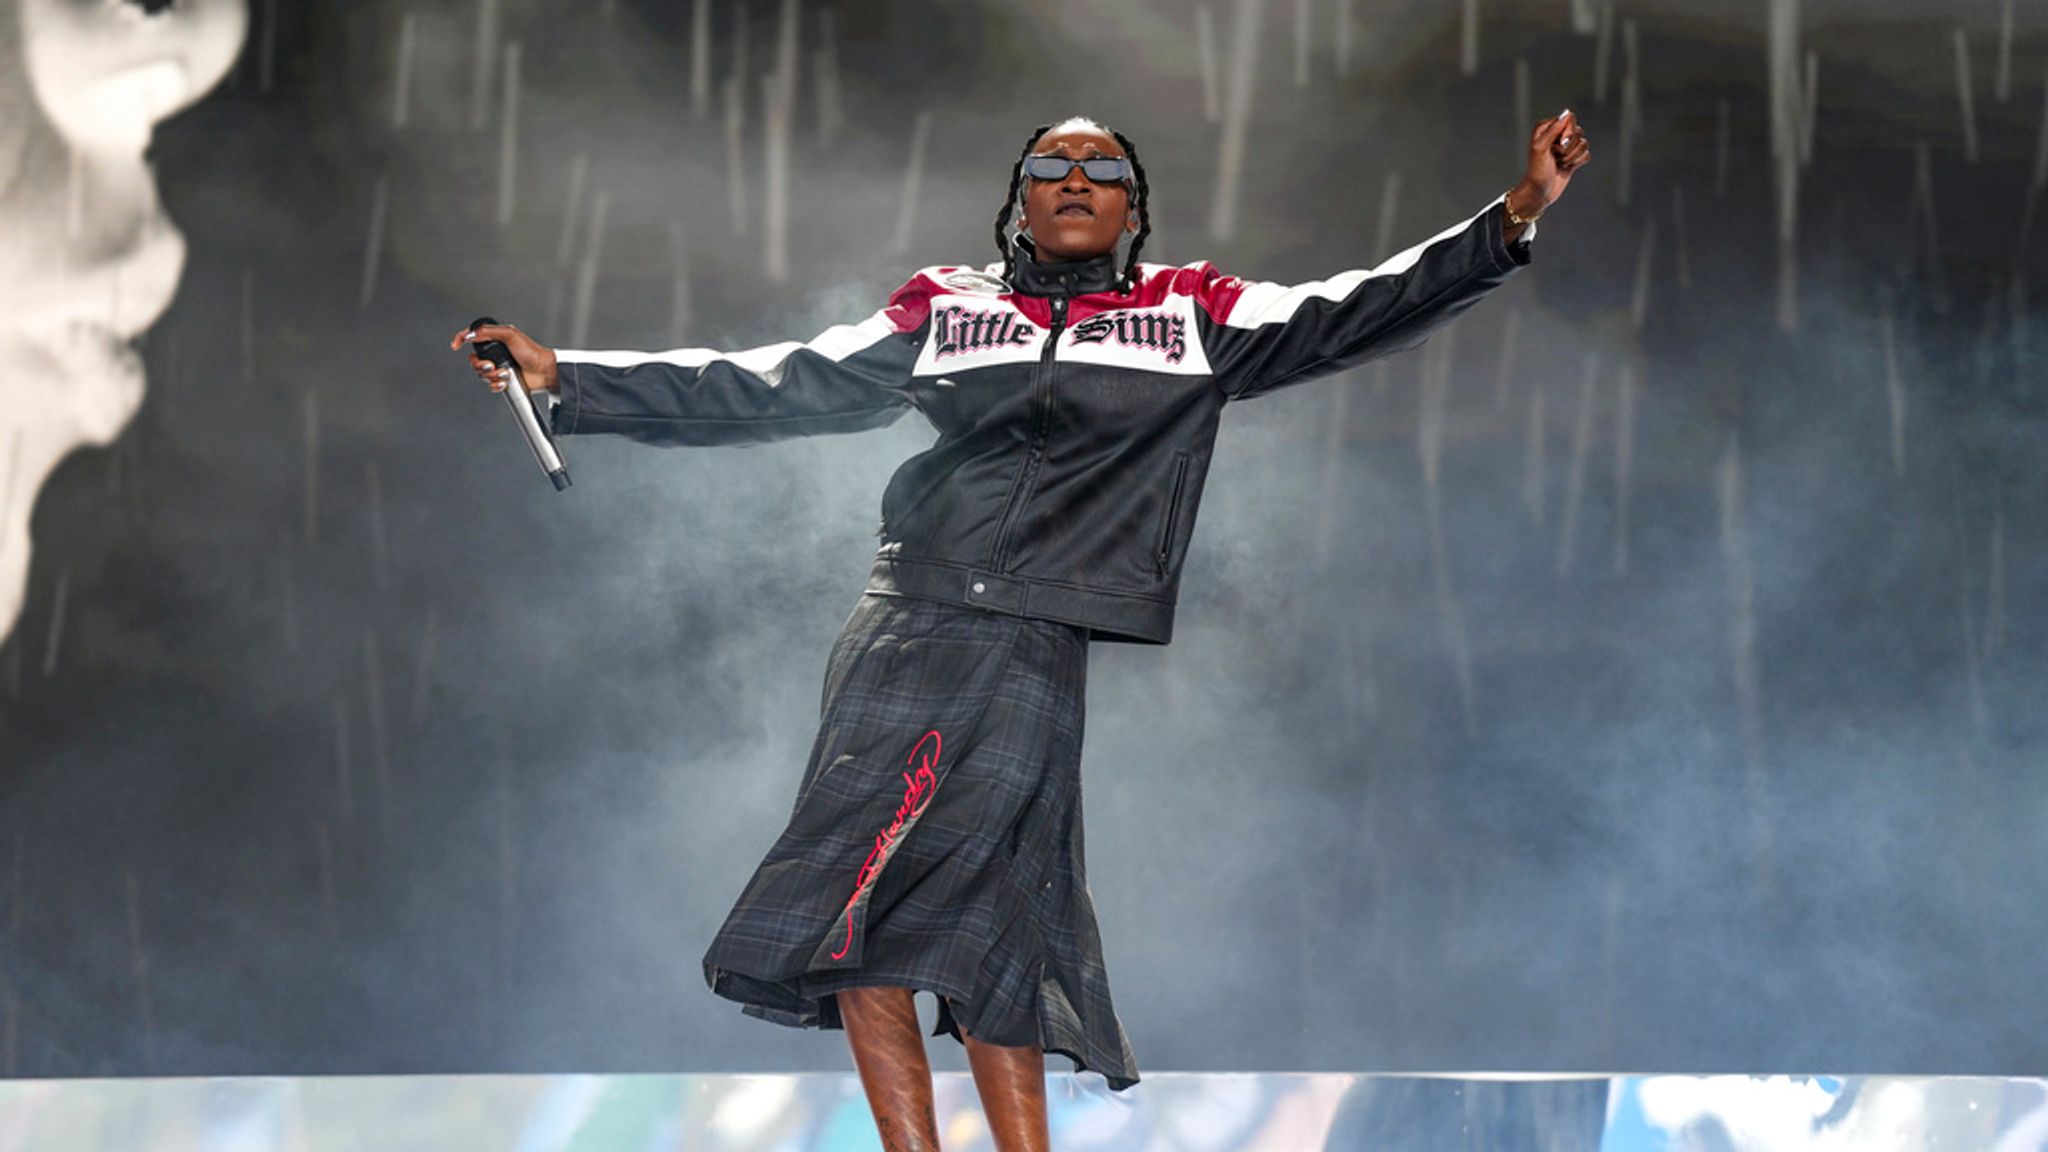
x=1075, y=419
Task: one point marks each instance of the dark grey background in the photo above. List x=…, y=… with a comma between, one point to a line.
x=447, y=772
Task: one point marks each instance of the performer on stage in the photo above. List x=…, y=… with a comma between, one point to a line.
x=936, y=838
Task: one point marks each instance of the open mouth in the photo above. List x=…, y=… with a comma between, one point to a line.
x=1076, y=209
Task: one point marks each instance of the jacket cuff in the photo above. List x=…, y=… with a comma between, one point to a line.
x=564, y=402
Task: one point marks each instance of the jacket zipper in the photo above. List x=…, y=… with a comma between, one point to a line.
x=1180, y=474
x=1045, y=374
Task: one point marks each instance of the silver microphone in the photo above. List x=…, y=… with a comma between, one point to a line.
x=537, y=437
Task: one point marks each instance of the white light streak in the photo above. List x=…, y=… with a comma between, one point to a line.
x=1205, y=52
x=508, y=875
x=1533, y=446
x=1895, y=392
x=1390, y=212
x=1436, y=381
x=2041, y=142
x=1510, y=335
x=248, y=325
x=138, y=972
x=1603, y=52
x=344, y=764
x=1682, y=237
x=1785, y=121
x=310, y=408
x=1721, y=134
x=572, y=210
x=1575, y=472
x=679, y=285
x=700, y=58
x=1343, y=45
x=1631, y=113
x=380, y=559
x=1994, y=583
x=508, y=137
x=1524, y=112
x=484, y=59
x=1742, y=616
x=588, y=272
x=2003, y=84
x=267, y=50
x=422, y=671
x=1809, y=108
x=1923, y=206
x=10, y=1041
x=735, y=92
x=1335, y=431
x=1624, y=462
x=779, y=109
x=831, y=102
x=913, y=182
x=1304, y=26
x=1639, y=303
x=736, y=154
x=56, y=622
x=288, y=590
x=380, y=749
x=1237, y=109
x=324, y=846
x=373, y=245
x=401, y=81
x=1965, y=98
x=1468, y=39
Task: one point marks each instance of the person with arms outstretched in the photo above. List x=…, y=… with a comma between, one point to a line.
x=936, y=838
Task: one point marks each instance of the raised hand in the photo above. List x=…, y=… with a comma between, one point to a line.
x=1557, y=149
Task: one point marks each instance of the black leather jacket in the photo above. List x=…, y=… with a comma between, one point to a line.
x=1075, y=419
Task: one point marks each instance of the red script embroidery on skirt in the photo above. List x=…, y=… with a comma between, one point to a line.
x=917, y=792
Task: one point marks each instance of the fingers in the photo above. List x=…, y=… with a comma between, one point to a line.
x=501, y=332
x=1549, y=131
x=532, y=363
x=493, y=375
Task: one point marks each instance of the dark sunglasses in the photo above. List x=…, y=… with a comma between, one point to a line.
x=1100, y=169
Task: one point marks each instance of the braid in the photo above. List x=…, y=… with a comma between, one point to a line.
x=1003, y=244
x=1140, y=195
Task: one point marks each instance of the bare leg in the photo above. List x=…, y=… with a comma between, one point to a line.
x=1011, y=1082
x=881, y=1024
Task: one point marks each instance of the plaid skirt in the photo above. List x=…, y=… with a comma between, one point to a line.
x=935, y=842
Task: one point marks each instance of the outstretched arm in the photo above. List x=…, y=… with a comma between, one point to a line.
x=851, y=377
x=1263, y=336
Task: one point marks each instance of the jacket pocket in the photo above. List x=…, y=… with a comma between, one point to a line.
x=1180, y=477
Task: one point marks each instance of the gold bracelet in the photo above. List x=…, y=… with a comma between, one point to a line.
x=1514, y=220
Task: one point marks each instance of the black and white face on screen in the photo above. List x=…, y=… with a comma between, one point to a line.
x=88, y=259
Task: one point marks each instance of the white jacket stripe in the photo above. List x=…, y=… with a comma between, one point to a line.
x=1263, y=303
x=834, y=344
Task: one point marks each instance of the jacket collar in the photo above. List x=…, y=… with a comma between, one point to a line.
x=1063, y=278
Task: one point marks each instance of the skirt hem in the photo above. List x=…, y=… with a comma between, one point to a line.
x=769, y=1000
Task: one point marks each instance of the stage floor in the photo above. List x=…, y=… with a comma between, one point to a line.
x=1168, y=1112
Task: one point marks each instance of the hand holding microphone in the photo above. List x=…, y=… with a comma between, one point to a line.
x=513, y=364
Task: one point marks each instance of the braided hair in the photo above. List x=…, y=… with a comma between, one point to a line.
x=1140, y=195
